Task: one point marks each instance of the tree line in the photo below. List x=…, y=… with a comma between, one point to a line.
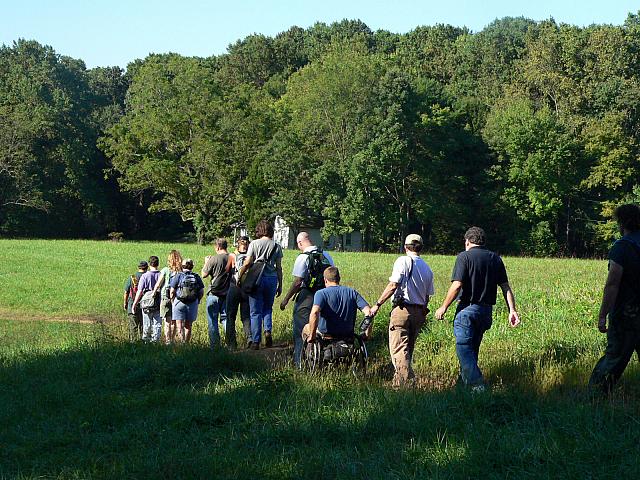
x=528, y=128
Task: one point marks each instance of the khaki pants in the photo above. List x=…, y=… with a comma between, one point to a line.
x=404, y=326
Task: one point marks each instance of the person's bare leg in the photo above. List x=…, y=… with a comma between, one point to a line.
x=187, y=331
x=178, y=331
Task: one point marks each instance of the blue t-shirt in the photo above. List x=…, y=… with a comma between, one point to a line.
x=627, y=255
x=338, y=307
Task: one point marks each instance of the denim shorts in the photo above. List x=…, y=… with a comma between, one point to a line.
x=185, y=312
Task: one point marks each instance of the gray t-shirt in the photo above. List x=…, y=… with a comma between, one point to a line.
x=216, y=269
x=264, y=249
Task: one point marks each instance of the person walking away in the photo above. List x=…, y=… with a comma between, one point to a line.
x=217, y=267
x=411, y=286
x=476, y=276
x=187, y=290
x=264, y=249
x=150, y=304
x=130, y=290
x=174, y=266
x=236, y=298
x=620, y=302
x=308, y=278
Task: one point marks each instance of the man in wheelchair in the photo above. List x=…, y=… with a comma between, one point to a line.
x=330, y=336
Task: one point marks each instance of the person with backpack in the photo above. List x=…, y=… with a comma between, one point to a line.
x=411, y=286
x=308, y=278
x=174, y=266
x=187, y=290
x=130, y=291
x=263, y=256
x=620, y=302
x=149, y=301
x=217, y=267
x=236, y=298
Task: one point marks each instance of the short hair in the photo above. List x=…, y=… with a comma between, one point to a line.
x=476, y=236
x=628, y=217
x=414, y=247
x=221, y=243
x=243, y=239
x=332, y=274
x=264, y=229
x=154, y=261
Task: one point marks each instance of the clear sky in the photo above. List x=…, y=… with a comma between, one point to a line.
x=116, y=32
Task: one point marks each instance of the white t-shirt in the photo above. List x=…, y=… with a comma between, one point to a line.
x=419, y=286
x=300, y=266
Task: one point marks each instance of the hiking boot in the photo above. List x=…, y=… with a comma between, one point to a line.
x=249, y=344
x=254, y=346
x=268, y=341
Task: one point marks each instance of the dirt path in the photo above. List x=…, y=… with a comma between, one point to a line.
x=26, y=316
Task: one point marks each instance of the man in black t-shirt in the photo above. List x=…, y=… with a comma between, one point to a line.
x=476, y=276
x=620, y=301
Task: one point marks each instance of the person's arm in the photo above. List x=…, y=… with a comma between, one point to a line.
x=295, y=288
x=314, y=318
x=172, y=294
x=136, y=300
x=125, y=299
x=454, y=289
x=388, y=291
x=510, y=299
x=279, y=273
x=159, y=284
x=248, y=261
x=205, y=268
x=610, y=294
x=231, y=261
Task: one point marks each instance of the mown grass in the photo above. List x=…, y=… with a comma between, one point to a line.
x=79, y=402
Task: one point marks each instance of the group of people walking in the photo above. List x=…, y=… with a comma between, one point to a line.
x=323, y=308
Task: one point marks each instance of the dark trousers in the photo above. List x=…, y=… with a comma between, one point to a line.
x=623, y=338
x=135, y=325
x=238, y=300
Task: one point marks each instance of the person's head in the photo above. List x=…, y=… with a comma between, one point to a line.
x=332, y=275
x=221, y=244
x=474, y=237
x=174, y=261
x=243, y=244
x=264, y=229
x=413, y=243
x=143, y=265
x=187, y=264
x=628, y=218
x=303, y=240
x=154, y=261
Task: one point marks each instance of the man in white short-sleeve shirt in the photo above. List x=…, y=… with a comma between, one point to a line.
x=304, y=298
x=411, y=285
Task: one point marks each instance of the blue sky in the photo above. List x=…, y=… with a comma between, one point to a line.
x=116, y=32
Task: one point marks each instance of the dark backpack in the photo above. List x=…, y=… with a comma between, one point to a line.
x=150, y=302
x=317, y=263
x=188, y=290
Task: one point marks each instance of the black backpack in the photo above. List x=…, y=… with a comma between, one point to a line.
x=317, y=263
x=188, y=290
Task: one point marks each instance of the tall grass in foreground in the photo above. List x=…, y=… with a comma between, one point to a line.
x=81, y=402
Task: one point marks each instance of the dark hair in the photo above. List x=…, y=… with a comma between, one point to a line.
x=264, y=229
x=221, y=243
x=154, y=261
x=244, y=238
x=628, y=217
x=476, y=236
x=414, y=247
x=332, y=274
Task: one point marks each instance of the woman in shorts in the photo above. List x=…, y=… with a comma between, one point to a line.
x=187, y=289
x=174, y=266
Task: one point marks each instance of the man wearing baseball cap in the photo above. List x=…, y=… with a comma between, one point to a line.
x=410, y=285
x=130, y=290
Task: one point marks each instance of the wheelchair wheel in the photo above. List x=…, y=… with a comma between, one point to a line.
x=360, y=358
x=311, y=356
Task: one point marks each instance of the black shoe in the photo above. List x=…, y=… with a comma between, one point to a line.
x=268, y=341
x=255, y=346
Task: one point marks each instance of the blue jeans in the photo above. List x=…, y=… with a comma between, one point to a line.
x=151, y=326
x=468, y=327
x=261, y=307
x=216, y=306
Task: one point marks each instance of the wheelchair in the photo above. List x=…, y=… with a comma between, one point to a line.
x=335, y=352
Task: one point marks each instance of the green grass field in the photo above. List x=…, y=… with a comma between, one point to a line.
x=81, y=402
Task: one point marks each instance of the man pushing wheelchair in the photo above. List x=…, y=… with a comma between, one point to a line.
x=330, y=335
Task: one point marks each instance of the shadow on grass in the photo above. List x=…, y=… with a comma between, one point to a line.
x=110, y=409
